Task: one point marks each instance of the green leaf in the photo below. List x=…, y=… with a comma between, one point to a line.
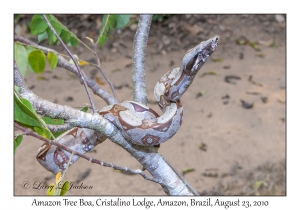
x=37, y=61
x=108, y=22
x=42, y=36
x=21, y=58
x=29, y=50
x=102, y=40
x=122, y=20
x=27, y=104
x=43, y=132
x=52, y=59
x=17, y=142
x=37, y=25
x=17, y=89
x=51, y=35
x=185, y=171
x=24, y=115
x=256, y=185
x=50, y=121
x=65, y=36
x=84, y=109
x=64, y=188
x=51, y=190
x=73, y=41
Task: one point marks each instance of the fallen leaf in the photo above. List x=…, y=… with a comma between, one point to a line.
x=216, y=59
x=247, y=105
x=257, y=84
x=185, y=171
x=99, y=81
x=261, y=55
x=201, y=93
x=229, y=79
x=256, y=185
x=267, y=43
x=281, y=101
x=116, y=70
x=264, y=99
x=253, y=93
x=208, y=73
x=202, y=147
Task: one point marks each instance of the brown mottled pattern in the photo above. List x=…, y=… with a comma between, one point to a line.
x=163, y=103
x=190, y=64
x=85, y=141
x=154, y=140
x=175, y=94
x=60, y=158
x=43, y=151
x=73, y=132
x=139, y=108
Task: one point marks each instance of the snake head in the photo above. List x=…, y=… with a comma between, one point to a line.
x=196, y=57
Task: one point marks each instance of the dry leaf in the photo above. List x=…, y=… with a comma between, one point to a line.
x=99, y=81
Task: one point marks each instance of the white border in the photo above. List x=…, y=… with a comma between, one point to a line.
x=153, y=6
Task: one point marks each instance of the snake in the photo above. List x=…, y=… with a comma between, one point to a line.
x=138, y=123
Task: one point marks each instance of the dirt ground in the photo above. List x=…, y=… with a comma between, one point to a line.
x=227, y=148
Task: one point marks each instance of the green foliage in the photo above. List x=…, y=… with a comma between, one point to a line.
x=52, y=59
x=50, y=121
x=110, y=22
x=84, y=109
x=64, y=188
x=23, y=113
x=122, y=20
x=38, y=26
x=37, y=61
x=160, y=17
x=43, y=132
x=17, y=142
x=51, y=36
x=20, y=56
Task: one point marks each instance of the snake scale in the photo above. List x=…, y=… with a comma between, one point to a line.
x=138, y=123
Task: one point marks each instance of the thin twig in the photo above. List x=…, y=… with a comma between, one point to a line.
x=102, y=72
x=138, y=63
x=62, y=62
x=75, y=62
x=90, y=159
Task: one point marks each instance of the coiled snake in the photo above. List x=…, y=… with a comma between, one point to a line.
x=138, y=123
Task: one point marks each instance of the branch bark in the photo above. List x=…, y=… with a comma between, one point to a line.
x=147, y=156
x=139, y=54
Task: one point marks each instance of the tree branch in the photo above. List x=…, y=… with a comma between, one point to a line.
x=62, y=62
x=139, y=53
x=102, y=72
x=74, y=60
x=59, y=128
x=90, y=159
x=147, y=156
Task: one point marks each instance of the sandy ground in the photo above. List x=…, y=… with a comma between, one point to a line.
x=230, y=149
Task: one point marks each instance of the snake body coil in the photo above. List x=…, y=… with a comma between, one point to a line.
x=138, y=123
x=143, y=126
